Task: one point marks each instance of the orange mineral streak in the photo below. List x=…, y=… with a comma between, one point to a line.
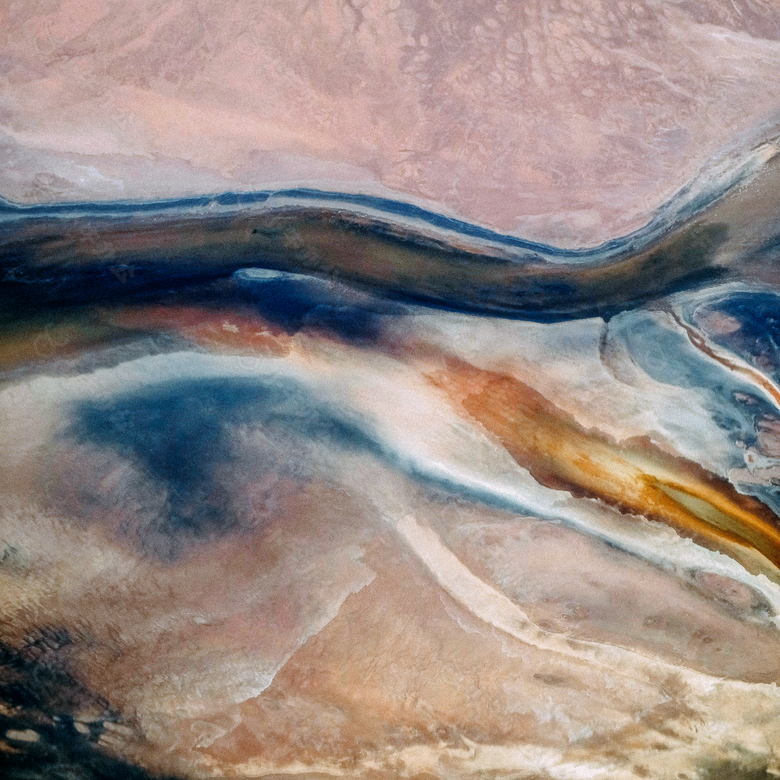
x=636, y=477
x=753, y=375
x=212, y=328
x=222, y=330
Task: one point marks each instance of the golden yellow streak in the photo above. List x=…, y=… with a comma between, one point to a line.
x=637, y=478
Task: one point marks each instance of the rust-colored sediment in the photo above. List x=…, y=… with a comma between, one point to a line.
x=216, y=328
x=734, y=365
x=636, y=477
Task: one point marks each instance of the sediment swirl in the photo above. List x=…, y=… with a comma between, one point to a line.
x=722, y=226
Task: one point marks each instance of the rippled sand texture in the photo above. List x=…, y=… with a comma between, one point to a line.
x=389, y=391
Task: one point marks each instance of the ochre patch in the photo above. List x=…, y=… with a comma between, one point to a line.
x=636, y=477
